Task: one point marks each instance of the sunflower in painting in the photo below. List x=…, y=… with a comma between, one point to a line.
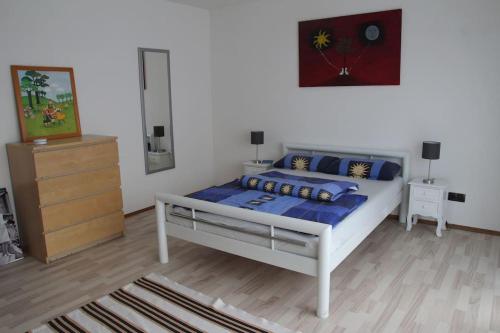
x=359, y=170
x=321, y=39
x=300, y=163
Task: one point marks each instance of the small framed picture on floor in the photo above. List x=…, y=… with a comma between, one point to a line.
x=10, y=242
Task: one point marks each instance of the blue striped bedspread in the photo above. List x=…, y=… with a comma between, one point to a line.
x=329, y=212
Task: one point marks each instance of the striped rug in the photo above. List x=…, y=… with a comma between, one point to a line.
x=156, y=304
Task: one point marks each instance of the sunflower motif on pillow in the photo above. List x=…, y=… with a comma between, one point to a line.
x=286, y=189
x=300, y=163
x=359, y=170
x=305, y=192
x=324, y=196
x=253, y=182
x=269, y=186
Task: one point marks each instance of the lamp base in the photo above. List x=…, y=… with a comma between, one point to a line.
x=428, y=181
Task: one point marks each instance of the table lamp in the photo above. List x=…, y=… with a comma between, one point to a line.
x=430, y=151
x=257, y=138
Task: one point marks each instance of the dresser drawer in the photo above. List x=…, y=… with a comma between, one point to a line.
x=61, y=189
x=73, y=160
x=425, y=208
x=427, y=194
x=82, y=235
x=71, y=212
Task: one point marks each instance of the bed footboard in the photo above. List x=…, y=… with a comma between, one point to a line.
x=318, y=267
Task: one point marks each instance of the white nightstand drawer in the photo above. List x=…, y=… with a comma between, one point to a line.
x=428, y=194
x=425, y=208
x=249, y=170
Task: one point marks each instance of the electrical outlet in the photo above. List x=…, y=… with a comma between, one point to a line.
x=459, y=197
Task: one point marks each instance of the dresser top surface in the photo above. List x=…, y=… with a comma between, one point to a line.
x=63, y=143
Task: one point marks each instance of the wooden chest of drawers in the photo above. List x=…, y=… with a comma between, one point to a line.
x=67, y=194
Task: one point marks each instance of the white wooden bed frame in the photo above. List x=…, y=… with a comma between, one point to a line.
x=321, y=266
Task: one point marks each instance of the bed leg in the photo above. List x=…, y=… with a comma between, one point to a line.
x=403, y=208
x=323, y=309
x=162, y=231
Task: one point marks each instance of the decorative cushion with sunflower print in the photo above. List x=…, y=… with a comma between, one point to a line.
x=269, y=186
x=319, y=163
x=253, y=182
x=301, y=187
x=325, y=196
x=286, y=189
x=368, y=169
x=305, y=192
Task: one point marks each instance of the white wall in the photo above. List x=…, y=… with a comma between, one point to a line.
x=99, y=39
x=450, y=84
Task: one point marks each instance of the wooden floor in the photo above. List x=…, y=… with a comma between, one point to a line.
x=394, y=282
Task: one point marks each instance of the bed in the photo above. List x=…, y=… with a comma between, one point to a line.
x=311, y=248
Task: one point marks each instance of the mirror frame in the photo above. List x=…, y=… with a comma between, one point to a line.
x=141, y=51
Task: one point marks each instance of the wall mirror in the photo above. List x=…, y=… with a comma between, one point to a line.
x=156, y=105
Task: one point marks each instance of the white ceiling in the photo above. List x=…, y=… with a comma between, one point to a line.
x=211, y=4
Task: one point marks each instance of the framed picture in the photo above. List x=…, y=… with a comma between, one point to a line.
x=10, y=242
x=354, y=50
x=46, y=102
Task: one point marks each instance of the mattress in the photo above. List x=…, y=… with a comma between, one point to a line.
x=383, y=197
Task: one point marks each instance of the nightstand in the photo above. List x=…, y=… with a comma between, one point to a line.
x=427, y=200
x=252, y=168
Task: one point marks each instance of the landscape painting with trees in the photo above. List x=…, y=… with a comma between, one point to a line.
x=46, y=102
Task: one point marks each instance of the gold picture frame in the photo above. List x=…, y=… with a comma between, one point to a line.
x=46, y=102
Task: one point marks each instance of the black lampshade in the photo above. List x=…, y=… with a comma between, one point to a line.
x=257, y=137
x=159, y=131
x=431, y=150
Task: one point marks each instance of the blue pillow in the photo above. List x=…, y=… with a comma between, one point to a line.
x=319, y=163
x=300, y=187
x=367, y=169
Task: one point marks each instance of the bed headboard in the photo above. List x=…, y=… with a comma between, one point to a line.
x=400, y=157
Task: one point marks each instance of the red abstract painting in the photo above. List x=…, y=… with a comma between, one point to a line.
x=355, y=50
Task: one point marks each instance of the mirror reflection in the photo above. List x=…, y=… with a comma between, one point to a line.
x=154, y=69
